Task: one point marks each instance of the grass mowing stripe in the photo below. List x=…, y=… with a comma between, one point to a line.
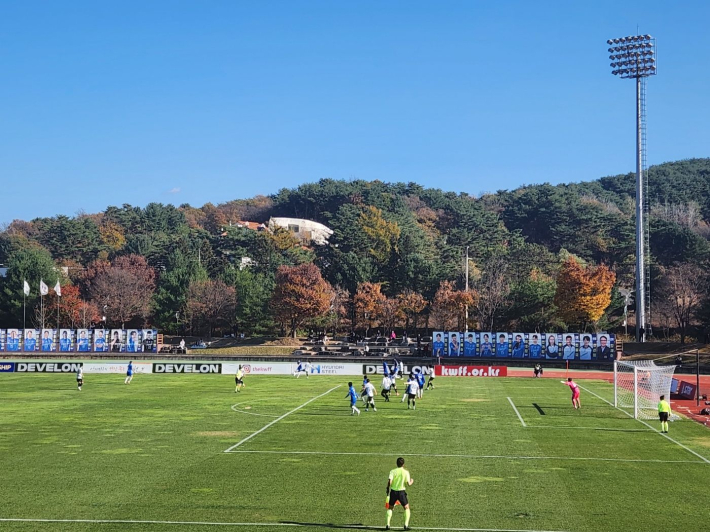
x=607, y=429
x=516, y=411
x=650, y=427
x=303, y=525
x=262, y=429
x=473, y=456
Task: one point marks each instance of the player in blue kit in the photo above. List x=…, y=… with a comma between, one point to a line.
x=352, y=395
x=64, y=342
x=46, y=342
x=421, y=379
x=129, y=373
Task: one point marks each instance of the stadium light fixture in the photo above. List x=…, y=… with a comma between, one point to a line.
x=634, y=57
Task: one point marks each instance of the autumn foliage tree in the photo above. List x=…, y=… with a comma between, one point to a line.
x=368, y=301
x=125, y=289
x=411, y=304
x=448, y=306
x=583, y=293
x=301, y=293
x=73, y=310
x=209, y=303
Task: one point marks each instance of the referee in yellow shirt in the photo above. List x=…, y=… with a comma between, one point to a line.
x=397, y=484
x=664, y=412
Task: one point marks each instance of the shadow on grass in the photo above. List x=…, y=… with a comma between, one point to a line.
x=355, y=526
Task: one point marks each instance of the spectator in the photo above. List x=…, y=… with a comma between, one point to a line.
x=182, y=345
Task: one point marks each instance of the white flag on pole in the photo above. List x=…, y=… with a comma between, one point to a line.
x=26, y=288
x=58, y=289
x=43, y=288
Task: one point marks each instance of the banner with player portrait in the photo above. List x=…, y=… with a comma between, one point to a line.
x=47, y=345
x=30, y=344
x=521, y=345
x=116, y=341
x=79, y=340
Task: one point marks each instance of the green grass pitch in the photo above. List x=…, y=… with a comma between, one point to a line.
x=155, y=451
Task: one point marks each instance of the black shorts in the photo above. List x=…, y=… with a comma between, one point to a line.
x=663, y=416
x=398, y=497
x=238, y=381
x=412, y=395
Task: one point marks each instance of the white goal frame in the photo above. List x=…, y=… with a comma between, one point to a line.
x=639, y=384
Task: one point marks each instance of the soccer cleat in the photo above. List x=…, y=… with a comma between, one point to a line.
x=387, y=527
x=374, y=409
x=407, y=528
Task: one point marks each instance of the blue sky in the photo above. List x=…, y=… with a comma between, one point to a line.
x=112, y=102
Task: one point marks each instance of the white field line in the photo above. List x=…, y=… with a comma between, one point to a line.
x=516, y=411
x=650, y=427
x=571, y=427
x=474, y=456
x=262, y=429
x=241, y=411
x=287, y=524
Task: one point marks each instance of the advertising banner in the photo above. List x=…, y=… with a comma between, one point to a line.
x=7, y=367
x=2, y=339
x=378, y=369
x=261, y=368
x=686, y=390
x=47, y=340
x=65, y=340
x=47, y=367
x=12, y=341
x=187, y=368
x=471, y=371
x=117, y=367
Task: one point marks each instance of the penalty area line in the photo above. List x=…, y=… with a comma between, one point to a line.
x=473, y=456
x=649, y=426
x=283, y=524
x=262, y=429
x=516, y=411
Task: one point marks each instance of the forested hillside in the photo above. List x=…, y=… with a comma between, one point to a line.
x=396, y=247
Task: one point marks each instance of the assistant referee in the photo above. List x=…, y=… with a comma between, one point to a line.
x=397, y=484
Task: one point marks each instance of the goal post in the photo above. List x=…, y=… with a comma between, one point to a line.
x=638, y=386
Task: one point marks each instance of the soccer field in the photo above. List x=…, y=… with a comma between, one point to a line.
x=485, y=454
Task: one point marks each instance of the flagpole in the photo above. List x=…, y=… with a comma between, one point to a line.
x=24, y=308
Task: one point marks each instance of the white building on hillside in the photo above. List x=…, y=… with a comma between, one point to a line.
x=304, y=230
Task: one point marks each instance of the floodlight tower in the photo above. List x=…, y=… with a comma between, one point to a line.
x=634, y=57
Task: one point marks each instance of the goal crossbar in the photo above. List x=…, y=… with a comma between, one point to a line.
x=638, y=386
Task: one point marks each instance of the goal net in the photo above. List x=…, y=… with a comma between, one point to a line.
x=638, y=386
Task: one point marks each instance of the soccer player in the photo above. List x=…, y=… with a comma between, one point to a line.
x=664, y=412
x=352, y=395
x=568, y=349
x=369, y=393
x=148, y=341
x=469, y=346
x=129, y=373
x=386, y=386
x=502, y=346
x=80, y=377
x=239, y=379
x=430, y=383
x=397, y=483
x=486, y=347
x=419, y=375
x=302, y=368
x=575, y=392
x=411, y=395
x=538, y=370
